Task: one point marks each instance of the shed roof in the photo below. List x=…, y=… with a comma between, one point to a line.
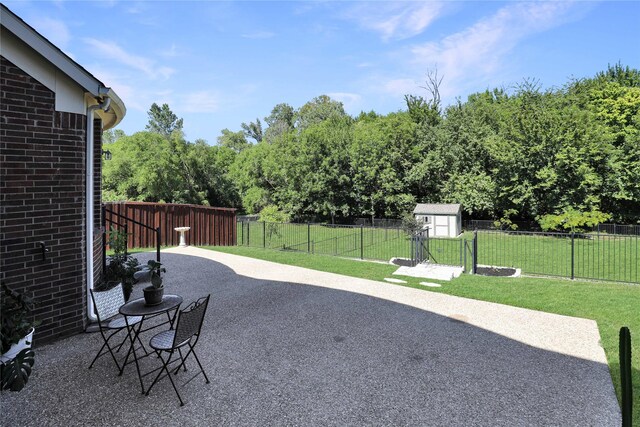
x=437, y=209
x=64, y=63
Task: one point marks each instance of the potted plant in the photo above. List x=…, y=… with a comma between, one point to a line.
x=120, y=267
x=16, y=358
x=152, y=271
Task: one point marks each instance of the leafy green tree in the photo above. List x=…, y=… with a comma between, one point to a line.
x=233, y=140
x=427, y=110
x=149, y=167
x=247, y=172
x=309, y=171
x=571, y=219
x=253, y=130
x=110, y=136
x=318, y=110
x=280, y=121
x=382, y=152
x=162, y=120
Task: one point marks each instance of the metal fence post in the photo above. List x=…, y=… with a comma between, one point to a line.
x=126, y=233
x=158, y=239
x=573, y=255
x=248, y=234
x=104, y=250
x=626, y=373
x=103, y=223
x=474, y=254
x=361, y=241
x=428, y=256
x=465, y=255
x=264, y=234
x=308, y=238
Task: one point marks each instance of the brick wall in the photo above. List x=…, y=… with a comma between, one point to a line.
x=42, y=199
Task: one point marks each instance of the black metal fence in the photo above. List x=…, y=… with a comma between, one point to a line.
x=599, y=256
x=486, y=224
x=379, y=222
x=573, y=255
x=349, y=241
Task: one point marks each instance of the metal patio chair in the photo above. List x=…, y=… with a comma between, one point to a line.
x=186, y=334
x=107, y=303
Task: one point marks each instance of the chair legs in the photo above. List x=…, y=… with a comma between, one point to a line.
x=200, y=365
x=184, y=360
x=165, y=368
x=106, y=344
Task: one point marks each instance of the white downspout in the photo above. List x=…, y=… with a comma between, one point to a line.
x=90, y=196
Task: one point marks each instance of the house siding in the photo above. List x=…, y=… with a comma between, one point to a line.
x=42, y=194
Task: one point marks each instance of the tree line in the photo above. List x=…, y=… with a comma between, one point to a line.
x=524, y=153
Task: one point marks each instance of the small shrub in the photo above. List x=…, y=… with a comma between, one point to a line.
x=410, y=224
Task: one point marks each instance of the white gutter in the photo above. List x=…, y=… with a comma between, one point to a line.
x=90, y=196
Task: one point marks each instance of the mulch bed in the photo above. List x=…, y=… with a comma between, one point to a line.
x=496, y=271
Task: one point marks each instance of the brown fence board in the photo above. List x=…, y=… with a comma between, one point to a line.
x=209, y=225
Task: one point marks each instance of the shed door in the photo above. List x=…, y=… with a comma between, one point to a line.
x=441, y=226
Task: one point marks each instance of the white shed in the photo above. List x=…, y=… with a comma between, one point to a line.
x=442, y=220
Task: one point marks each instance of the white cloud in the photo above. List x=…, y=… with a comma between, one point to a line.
x=395, y=20
x=171, y=52
x=258, y=35
x=200, y=102
x=350, y=100
x=148, y=66
x=54, y=30
x=478, y=54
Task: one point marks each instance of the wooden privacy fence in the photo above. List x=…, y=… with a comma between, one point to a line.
x=209, y=225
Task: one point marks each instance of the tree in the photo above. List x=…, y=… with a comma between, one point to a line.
x=253, y=130
x=162, y=120
x=571, y=219
x=279, y=121
x=233, y=140
x=110, y=136
x=426, y=110
x=317, y=110
x=382, y=152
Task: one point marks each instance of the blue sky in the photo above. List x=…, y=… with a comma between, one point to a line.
x=219, y=64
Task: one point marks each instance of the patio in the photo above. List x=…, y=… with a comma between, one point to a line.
x=284, y=345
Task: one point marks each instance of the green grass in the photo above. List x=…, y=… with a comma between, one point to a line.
x=132, y=251
x=600, y=256
x=611, y=305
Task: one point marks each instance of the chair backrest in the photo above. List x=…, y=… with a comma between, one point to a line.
x=108, y=303
x=190, y=320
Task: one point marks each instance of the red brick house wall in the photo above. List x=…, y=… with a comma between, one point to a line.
x=42, y=198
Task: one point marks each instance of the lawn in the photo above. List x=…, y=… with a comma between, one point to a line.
x=596, y=256
x=611, y=305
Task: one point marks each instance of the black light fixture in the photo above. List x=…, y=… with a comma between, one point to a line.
x=106, y=154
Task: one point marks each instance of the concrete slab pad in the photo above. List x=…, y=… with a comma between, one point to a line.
x=431, y=285
x=430, y=271
x=286, y=345
x=391, y=280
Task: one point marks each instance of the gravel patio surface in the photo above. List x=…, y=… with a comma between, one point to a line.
x=284, y=345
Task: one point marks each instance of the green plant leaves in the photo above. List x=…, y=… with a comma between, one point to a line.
x=15, y=373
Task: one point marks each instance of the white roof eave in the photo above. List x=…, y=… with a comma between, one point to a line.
x=61, y=61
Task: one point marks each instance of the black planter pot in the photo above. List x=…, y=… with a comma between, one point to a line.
x=153, y=296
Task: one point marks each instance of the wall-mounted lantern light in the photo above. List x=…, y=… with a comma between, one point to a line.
x=106, y=154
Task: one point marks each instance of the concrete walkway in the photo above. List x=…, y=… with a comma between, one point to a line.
x=290, y=346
